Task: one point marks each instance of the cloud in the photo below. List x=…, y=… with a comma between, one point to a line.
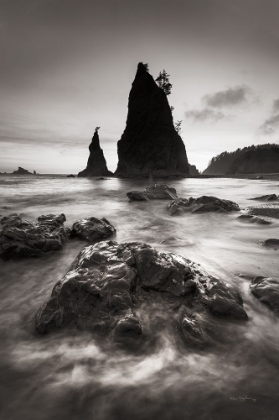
x=204, y=115
x=270, y=125
x=275, y=107
x=234, y=96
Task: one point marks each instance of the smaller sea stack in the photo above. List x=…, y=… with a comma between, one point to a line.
x=96, y=165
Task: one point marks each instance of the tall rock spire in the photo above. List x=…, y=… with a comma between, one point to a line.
x=96, y=165
x=150, y=143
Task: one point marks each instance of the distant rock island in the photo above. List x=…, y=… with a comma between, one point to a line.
x=22, y=171
x=96, y=165
x=193, y=171
x=150, y=145
x=263, y=158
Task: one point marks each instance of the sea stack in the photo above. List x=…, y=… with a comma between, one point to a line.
x=150, y=144
x=96, y=165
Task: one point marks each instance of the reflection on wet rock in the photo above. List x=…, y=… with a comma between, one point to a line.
x=201, y=205
x=153, y=192
x=21, y=238
x=92, y=229
x=109, y=282
x=266, y=289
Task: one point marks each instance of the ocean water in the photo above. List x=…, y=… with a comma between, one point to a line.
x=74, y=376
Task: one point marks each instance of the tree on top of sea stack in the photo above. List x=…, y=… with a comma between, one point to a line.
x=150, y=145
x=96, y=165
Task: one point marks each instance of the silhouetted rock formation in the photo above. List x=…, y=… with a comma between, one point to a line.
x=150, y=144
x=108, y=282
x=201, y=205
x=221, y=164
x=21, y=238
x=193, y=170
x=153, y=192
x=96, y=165
x=92, y=229
x=266, y=289
x=255, y=161
x=21, y=171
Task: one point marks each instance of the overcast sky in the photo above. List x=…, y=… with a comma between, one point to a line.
x=67, y=66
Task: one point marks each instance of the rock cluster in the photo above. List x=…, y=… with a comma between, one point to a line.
x=150, y=143
x=153, y=192
x=108, y=281
x=96, y=165
x=21, y=238
x=253, y=219
x=201, y=205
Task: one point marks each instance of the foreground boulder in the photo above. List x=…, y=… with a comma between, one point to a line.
x=201, y=205
x=21, y=238
x=266, y=289
x=108, y=282
x=150, y=144
x=153, y=192
x=92, y=229
x=248, y=218
x=96, y=164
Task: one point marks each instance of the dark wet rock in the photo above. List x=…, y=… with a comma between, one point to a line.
x=153, y=192
x=96, y=165
x=102, y=179
x=108, y=282
x=22, y=171
x=150, y=143
x=272, y=243
x=201, y=205
x=266, y=211
x=266, y=289
x=137, y=196
x=21, y=238
x=92, y=229
x=268, y=197
x=253, y=219
x=71, y=176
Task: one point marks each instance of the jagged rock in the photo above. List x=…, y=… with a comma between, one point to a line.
x=108, y=282
x=201, y=205
x=266, y=289
x=22, y=171
x=272, y=243
x=253, y=219
x=269, y=197
x=193, y=170
x=21, y=238
x=150, y=143
x=153, y=192
x=96, y=165
x=92, y=229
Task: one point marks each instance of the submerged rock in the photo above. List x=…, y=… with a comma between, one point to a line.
x=96, y=165
x=92, y=229
x=266, y=289
x=153, y=192
x=253, y=219
x=150, y=143
x=201, y=205
x=272, y=243
x=21, y=238
x=269, y=197
x=108, y=283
